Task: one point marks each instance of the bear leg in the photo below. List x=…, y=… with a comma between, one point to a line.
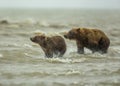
x=80, y=48
x=103, y=51
x=103, y=45
x=49, y=54
x=62, y=53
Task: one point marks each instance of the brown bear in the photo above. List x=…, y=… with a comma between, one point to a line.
x=50, y=45
x=93, y=39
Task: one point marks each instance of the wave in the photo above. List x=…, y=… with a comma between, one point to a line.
x=4, y=22
x=116, y=72
x=65, y=60
x=31, y=22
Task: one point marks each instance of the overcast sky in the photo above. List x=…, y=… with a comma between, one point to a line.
x=60, y=4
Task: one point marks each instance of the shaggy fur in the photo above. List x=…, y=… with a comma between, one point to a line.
x=93, y=39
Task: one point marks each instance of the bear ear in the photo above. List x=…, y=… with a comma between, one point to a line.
x=44, y=38
x=78, y=29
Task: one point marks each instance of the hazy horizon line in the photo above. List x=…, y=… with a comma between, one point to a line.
x=59, y=8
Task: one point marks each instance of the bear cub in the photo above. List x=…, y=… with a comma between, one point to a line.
x=50, y=45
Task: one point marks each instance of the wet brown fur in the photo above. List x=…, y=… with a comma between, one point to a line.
x=50, y=45
x=93, y=39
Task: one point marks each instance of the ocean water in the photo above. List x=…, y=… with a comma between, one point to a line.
x=22, y=62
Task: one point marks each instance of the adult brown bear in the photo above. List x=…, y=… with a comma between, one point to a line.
x=93, y=39
x=50, y=45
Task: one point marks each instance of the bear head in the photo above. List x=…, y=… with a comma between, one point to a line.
x=72, y=34
x=40, y=39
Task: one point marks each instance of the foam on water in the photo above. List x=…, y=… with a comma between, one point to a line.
x=31, y=22
x=43, y=24
x=65, y=60
x=1, y=55
x=27, y=45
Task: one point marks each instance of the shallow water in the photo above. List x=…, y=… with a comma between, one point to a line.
x=22, y=63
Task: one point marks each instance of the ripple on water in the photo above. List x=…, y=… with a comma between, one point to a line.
x=1, y=55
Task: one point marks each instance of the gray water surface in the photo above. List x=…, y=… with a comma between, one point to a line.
x=22, y=63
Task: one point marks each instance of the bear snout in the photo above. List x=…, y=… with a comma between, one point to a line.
x=65, y=36
x=31, y=39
